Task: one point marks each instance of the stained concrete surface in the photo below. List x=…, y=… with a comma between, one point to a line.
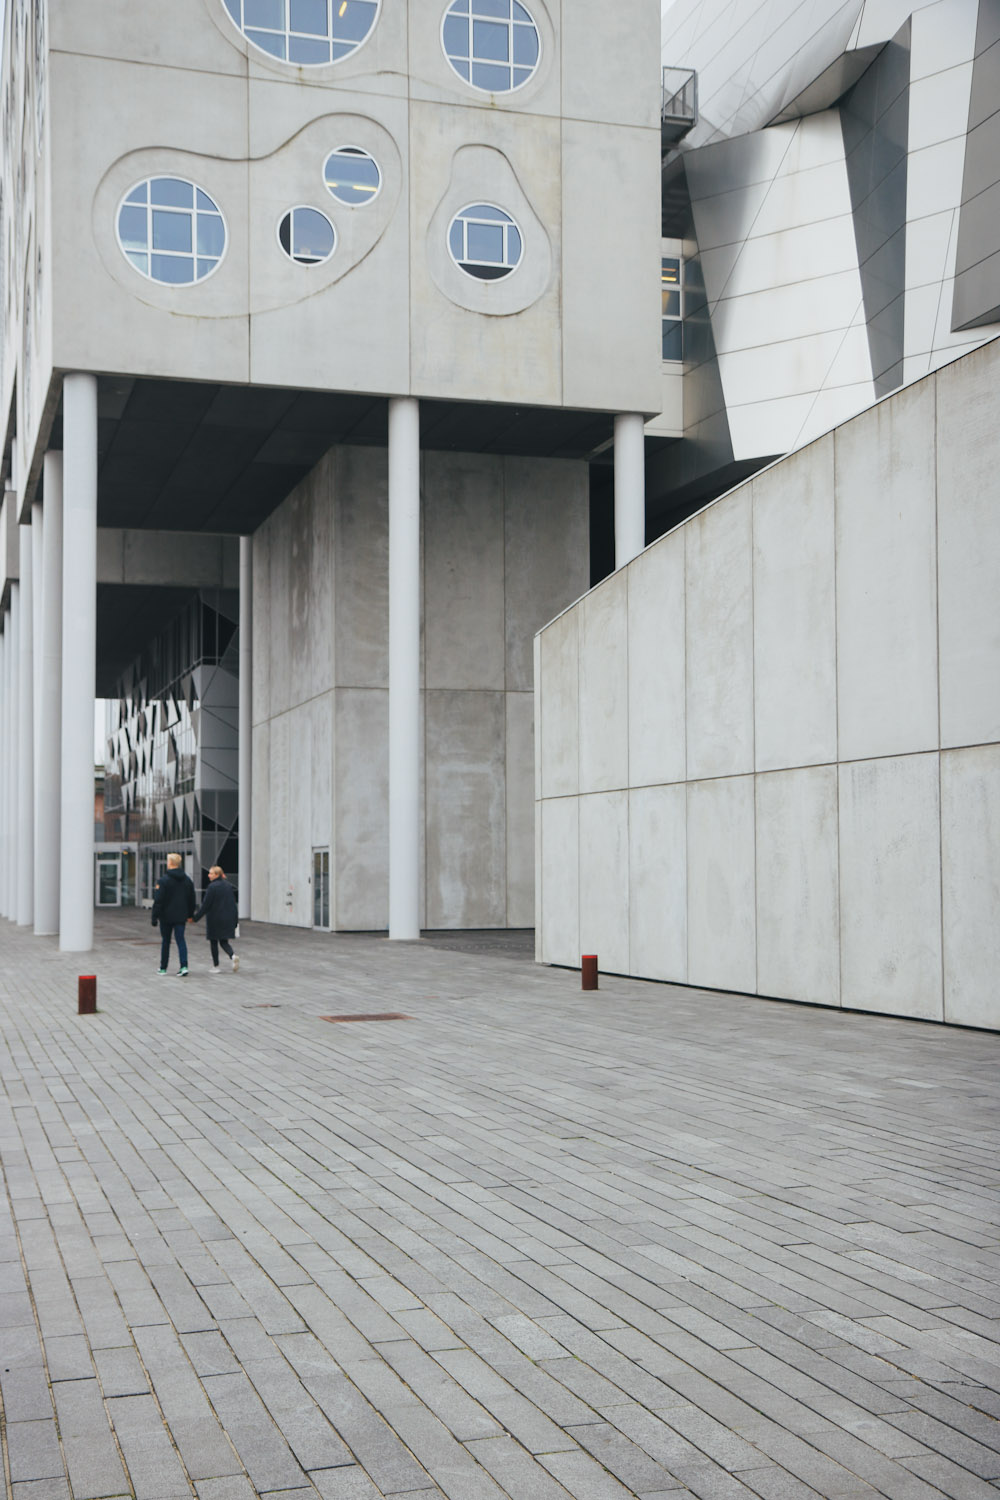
x=530, y=1243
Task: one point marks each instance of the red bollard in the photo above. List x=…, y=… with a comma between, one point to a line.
x=86, y=995
x=588, y=971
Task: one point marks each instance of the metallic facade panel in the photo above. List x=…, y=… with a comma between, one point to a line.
x=977, y=269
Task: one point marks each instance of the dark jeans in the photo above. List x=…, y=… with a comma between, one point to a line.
x=176, y=929
x=215, y=944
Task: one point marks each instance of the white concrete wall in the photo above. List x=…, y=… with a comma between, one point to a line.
x=769, y=749
x=505, y=545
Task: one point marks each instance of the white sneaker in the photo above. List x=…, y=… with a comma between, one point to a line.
x=236, y=963
x=215, y=970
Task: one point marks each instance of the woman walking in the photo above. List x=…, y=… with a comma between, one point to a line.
x=219, y=910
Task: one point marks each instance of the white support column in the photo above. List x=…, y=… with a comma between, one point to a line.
x=13, y=691
x=404, y=667
x=246, y=725
x=630, y=487
x=48, y=789
x=25, y=740
x=79, y=664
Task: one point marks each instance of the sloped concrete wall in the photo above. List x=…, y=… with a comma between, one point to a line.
x=767, y=750
x=505, y=545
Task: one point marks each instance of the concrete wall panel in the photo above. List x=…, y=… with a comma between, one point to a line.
x=658, y=882
x=968, y=548
x=721, y=884
x=560, y=706
x=360, y=886
x=604, y=687
x=604, y=879
x=719, y=640
x=520, y=810
x=886, y=590
x=361, y=593
x=656, y=664
x=463, y=541
x=794, y=674
x=890, y=886
x=970, y=861
x=560, y=881
x=466, y=816
x=546, y=551
x=798, y=922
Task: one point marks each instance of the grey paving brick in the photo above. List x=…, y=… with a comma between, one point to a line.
x=41, y=1489
x=150, y=1458
x=120, y=1373
x=92, y=1459
x=578, y=1473
x=33, y=1451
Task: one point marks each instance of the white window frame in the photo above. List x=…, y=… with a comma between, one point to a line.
x=287, y=33
x=511, y=23
x=288, y=254
x=192, y=215
x=506, y=225
x=348, y=149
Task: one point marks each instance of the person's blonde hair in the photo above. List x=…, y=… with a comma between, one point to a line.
x=217, y=870
x=173, y=861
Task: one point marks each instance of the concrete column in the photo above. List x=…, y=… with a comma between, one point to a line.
x=13, y=692
x=630, y=487
x=49, y=746
x=246, y=724
x=26, y=739
x=79, y=664
x=404, y=668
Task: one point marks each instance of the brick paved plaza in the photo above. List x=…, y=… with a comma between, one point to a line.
x=528, y=1243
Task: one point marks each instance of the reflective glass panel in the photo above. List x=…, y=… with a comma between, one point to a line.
x=269, y=13
x=172, y=270
x=274, y=42
x=311, y=16
x=491, y=77
x=171, y=192
x=139, y=194
x=171, y=231
x=304, y=49
x=211, y=235
x=525, y=45
x=485, y=242
x=351, y=175
x=353, y=19
x=133, y=227
x=456, y=37
x=306, y=236
x=490, y=41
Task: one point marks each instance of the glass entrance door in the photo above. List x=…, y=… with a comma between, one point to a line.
x=108, y=880
x=321, y=888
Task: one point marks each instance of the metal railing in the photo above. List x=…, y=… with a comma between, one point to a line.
x=679, y=106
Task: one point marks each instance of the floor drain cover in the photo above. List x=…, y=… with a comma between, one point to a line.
x=385, y=1015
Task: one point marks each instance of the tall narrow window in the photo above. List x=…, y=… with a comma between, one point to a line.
x=321, y=888
x=671, y=307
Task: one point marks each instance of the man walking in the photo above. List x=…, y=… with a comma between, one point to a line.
x=173, y=903
x=219, y=910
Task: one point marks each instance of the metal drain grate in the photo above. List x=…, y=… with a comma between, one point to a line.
x=386, y=1015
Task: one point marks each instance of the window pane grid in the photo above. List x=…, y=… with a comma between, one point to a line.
x=165, y=237
x=492, y=44
x=308, y=32
x=671, y=308
x=485, y=242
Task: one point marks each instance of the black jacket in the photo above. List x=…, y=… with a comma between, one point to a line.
x=219, y=909
x=173, y=898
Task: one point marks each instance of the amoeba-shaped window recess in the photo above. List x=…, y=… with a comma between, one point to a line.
x=484, y=242
x=171, y=231
x=492, y=44
x=308, y=32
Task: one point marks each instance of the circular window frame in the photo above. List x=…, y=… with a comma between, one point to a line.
x=349, y=146
x=284, y=62
x=477, y=88
x=149, y=251
x=508, y=271
x=307, y=265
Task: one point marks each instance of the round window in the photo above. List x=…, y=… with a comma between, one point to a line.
x=307, y=32
x=484, y=242
x=307, y=236
x=170, y=230
x=351, y=175
x=492, y=44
